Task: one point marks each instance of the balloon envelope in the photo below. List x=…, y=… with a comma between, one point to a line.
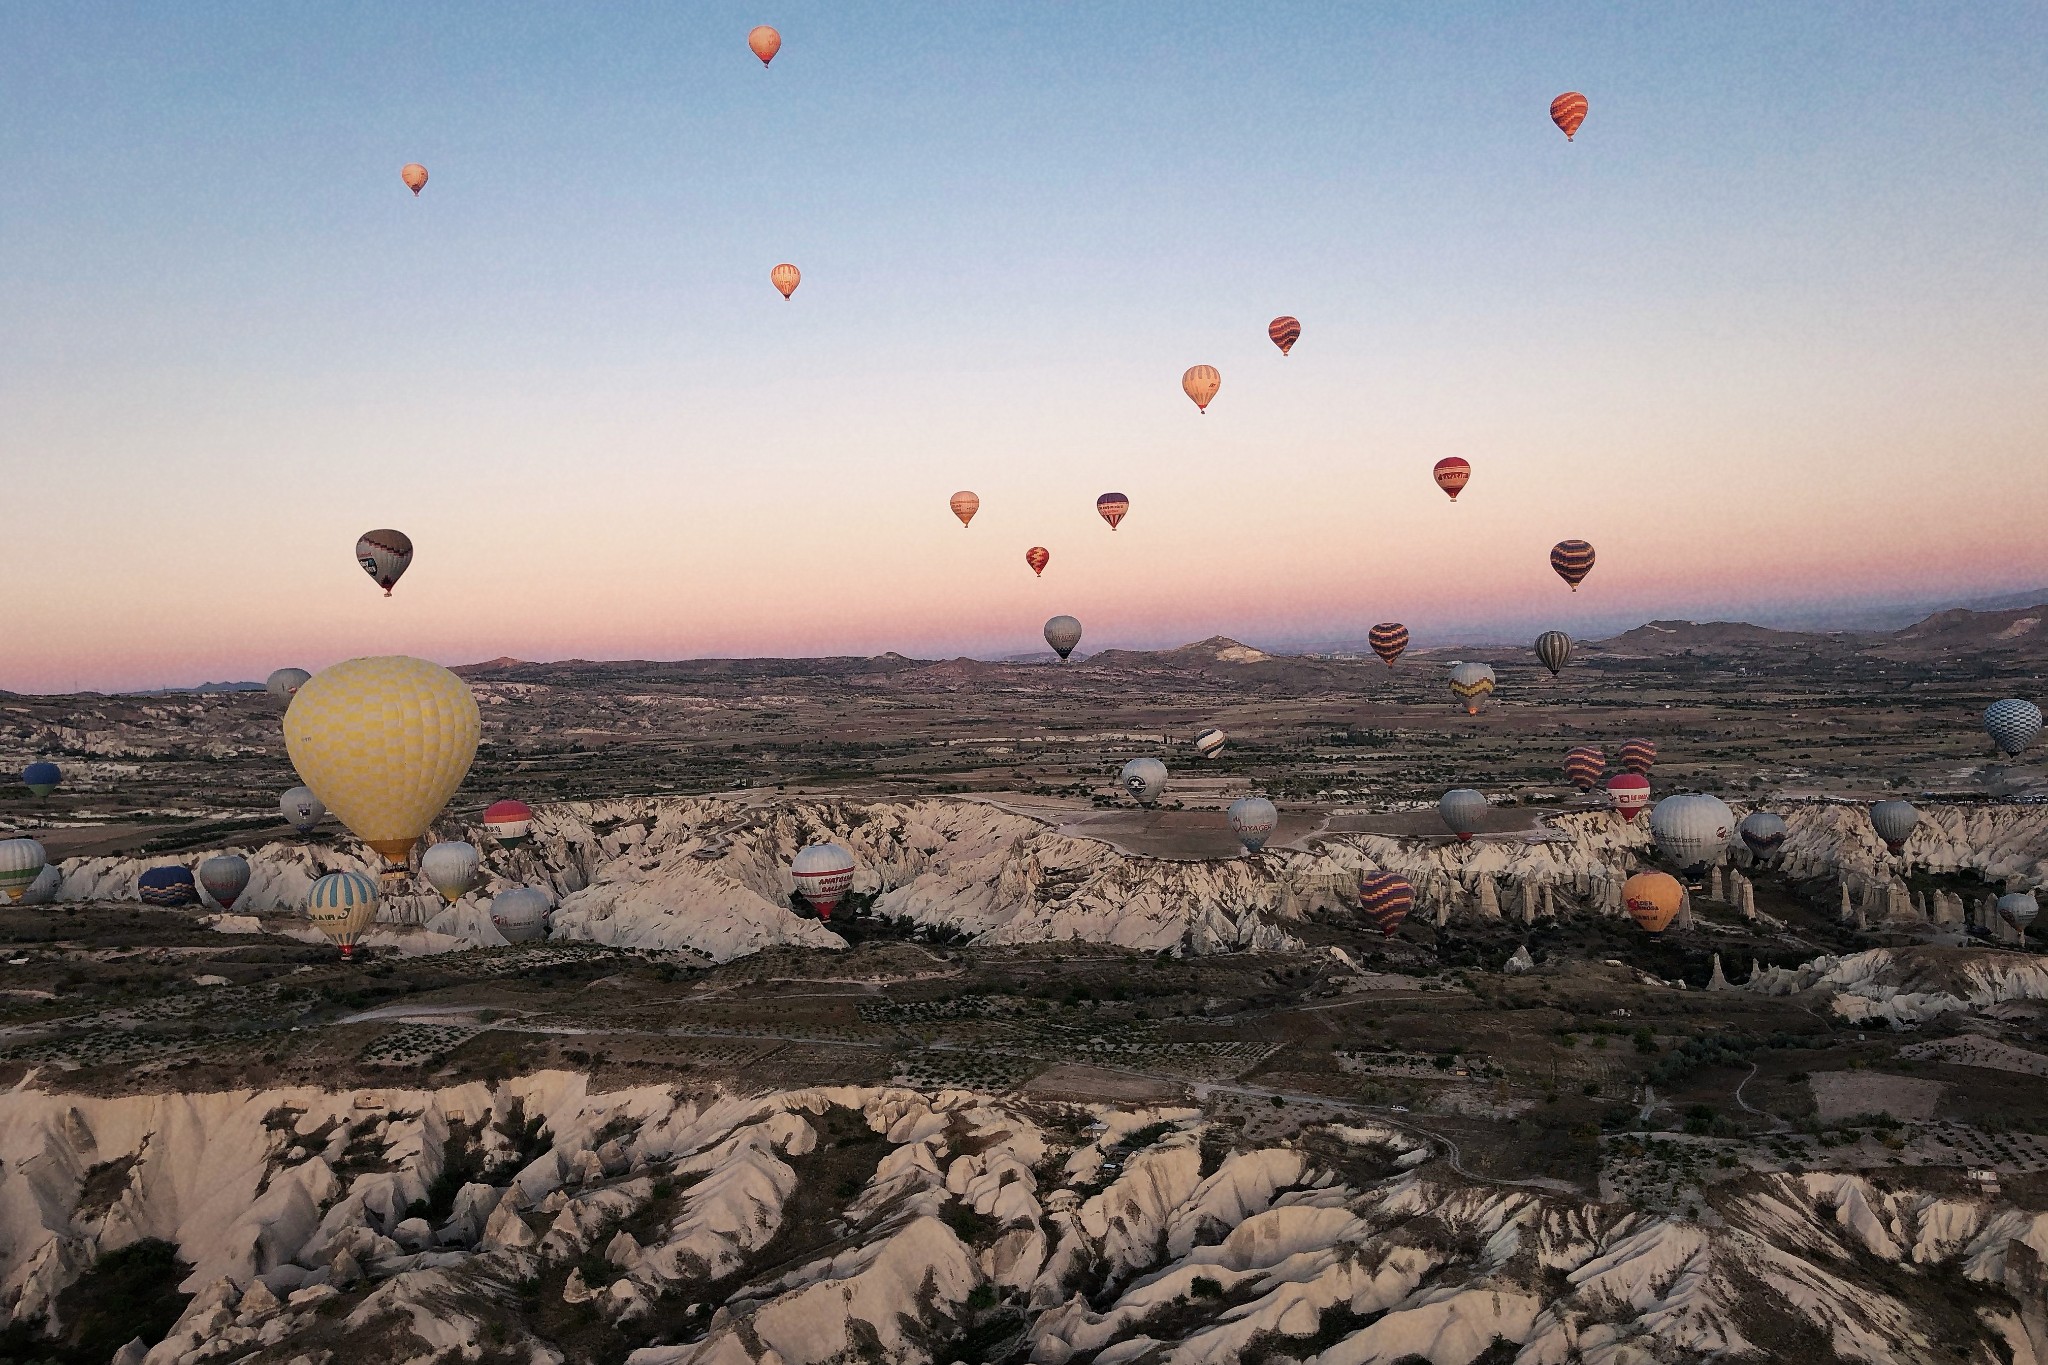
x=1452, y=474
x=1384, y=900
x=2018, y=908
x=765, y=42
x=1388, y=639
x=1063, y=633
x=1568, y=111
x=822, y=873
x=1038, y=557
x=1144, y=779
x=1112, y=508
x=1628, y=793
x=1284, y=331
x=1638, y=756
x=383, y=742
x=1210, y=742
x=385, y=556
x=1652, y=900
x=301, y=809
x=44, y=888
x=1252, y=819
x=1692, y=829
x=41, y=777
x=1584, y=766
x=342, y=905
x=225, y=876
x=1763, y=832
x=285, y=682
x=450, y=868
x=415, y=177
x=1894, y=821
x=21, y=861
x=1472, y=684
x=508, y=821
x=521, y=914
x=2013, y=724
x=1554, y=650
x=1200, y=383
x=964, y=504
x=1573, y=560
x=786, y=278
x=167, y=886
x=1462, y=810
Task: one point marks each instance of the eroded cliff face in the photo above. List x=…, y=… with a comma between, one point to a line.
x=892, y=1224
x=711, y=876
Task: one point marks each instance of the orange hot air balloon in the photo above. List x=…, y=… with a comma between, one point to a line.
x=1652, y=900
x=1568, y=111
x=1285, y=331
x=1037, y=557
x=785, y=277
x=766, y=42
x=964, y=505
x=1200, y=383
x=415, y=177
x=1452, y=474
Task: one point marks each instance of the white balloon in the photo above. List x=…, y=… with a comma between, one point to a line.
x=1253, y=819
x=520, y=914
x=1693, y=829
x=1144, y=779
x=450, y=868
x=1210, y=742
x=1462, y=809
x=225, y=876
x=1063, y=633
x=1894, y=821
x=302, y=809
x=823, y=873
x=20, y=862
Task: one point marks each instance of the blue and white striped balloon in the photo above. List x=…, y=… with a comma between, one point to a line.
x=2013, y=724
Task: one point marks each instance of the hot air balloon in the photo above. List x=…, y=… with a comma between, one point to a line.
x=2018, y=908
x=964, y=505
x=1285, y=331
x=2013, y=724
x=383, y=742
x=1763, y=832
x=415, y=177
x=1628, y=793
x=1652, y=900
x=1038, y=557
x=225, y=876
x=1568, y=111
x=1452, y=474
x=41, y=777
x=1462, y=810
x=521, y=914
x=508, y=821
x=450, y=868
x=785, y=277
x=168, y=886
x=1144, y=779
x=822, y=873
x=1063, y=633
x=1894, y=821
x=1388, y=639
x=301, y=809
x=342, y=905
x=1384, y=900
x=44, y=888
x=21, y=861
x=1112, y=507
x=1573, y=560
x=1252, y=819
x=1472, y=684
x=1584, y=765
x=1200, y=383
x=1638, y=756
x=285, y=683
x=1554, y=650
x=765, y=42
x=385, y=556
x=1209, y=744
x=1692, y=829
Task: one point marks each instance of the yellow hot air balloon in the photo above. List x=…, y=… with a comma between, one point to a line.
x=1200, y=383
x=383, y=743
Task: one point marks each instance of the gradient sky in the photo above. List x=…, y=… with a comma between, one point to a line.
x=1770, y=333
